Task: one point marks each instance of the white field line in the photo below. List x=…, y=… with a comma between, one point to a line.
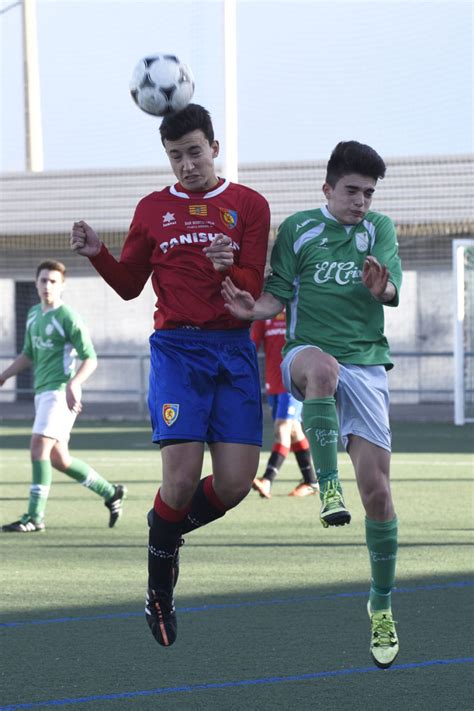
x=343, y=461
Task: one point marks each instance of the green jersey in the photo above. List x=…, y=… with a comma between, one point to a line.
x=53, y=340
x=317, y=267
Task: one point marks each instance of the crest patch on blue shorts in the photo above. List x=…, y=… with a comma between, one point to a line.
x=170, y=412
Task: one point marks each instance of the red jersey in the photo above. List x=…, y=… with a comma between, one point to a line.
x=169, y=230
x=271, y=333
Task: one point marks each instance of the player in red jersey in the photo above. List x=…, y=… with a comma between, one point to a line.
x=286, y=412
x=204, y=383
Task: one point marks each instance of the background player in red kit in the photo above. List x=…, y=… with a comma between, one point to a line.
x=204, y=383
x=286, y=412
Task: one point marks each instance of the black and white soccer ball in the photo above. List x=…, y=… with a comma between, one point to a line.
x=161, y=84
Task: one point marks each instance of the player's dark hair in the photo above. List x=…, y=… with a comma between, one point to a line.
x=52, y=266
x=354, y=157
x=192, y=118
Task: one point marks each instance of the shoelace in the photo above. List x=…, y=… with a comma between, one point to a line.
x=383, y=629
x=332, y=496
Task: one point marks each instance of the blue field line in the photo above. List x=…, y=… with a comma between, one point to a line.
x=233, y=684
x=236, y=605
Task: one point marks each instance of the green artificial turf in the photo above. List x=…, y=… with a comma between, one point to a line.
x=271, y=606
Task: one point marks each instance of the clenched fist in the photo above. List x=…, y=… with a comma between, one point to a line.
x=84, y=240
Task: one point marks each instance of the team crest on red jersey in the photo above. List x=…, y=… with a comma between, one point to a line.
x=198, y=210
x=170, y=413
x=229, y=218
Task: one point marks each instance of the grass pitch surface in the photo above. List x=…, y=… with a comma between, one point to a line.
x=271, y=606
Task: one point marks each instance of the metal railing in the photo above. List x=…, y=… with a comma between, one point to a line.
x=412, y=381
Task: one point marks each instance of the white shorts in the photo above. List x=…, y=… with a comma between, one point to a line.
x=362, y=400
x=53, y=418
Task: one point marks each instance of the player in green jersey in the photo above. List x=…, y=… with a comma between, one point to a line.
x=54, y=336
x=334, y=269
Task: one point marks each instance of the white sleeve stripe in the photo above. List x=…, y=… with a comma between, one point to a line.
x=31, y=320
x=307, y=236
x=58, y=326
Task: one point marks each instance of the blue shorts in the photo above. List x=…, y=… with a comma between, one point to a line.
x=285, y=407
x=205, y=386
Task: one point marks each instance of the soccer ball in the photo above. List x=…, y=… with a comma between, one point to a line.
x=161, y=84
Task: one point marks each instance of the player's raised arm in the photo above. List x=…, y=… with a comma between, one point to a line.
x=126, y=277
x=84, y=240
x=243, y=306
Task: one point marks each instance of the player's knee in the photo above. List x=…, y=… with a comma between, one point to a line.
x=237, y=495
x=58, y=462
x=323, y=376
x=232, y=493
x=283, y=429
x=39, y=447
x=178, y=489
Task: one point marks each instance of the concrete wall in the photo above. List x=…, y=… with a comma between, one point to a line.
x=422, y=323
x=117, y=327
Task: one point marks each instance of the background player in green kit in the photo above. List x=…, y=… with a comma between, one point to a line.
x=333, y=269
x=54, y=336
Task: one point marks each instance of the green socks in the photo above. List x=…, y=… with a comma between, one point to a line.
x=41, y=484
x=381, y=537
x=88, y=477
x=39, y=490
x=322, y=429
